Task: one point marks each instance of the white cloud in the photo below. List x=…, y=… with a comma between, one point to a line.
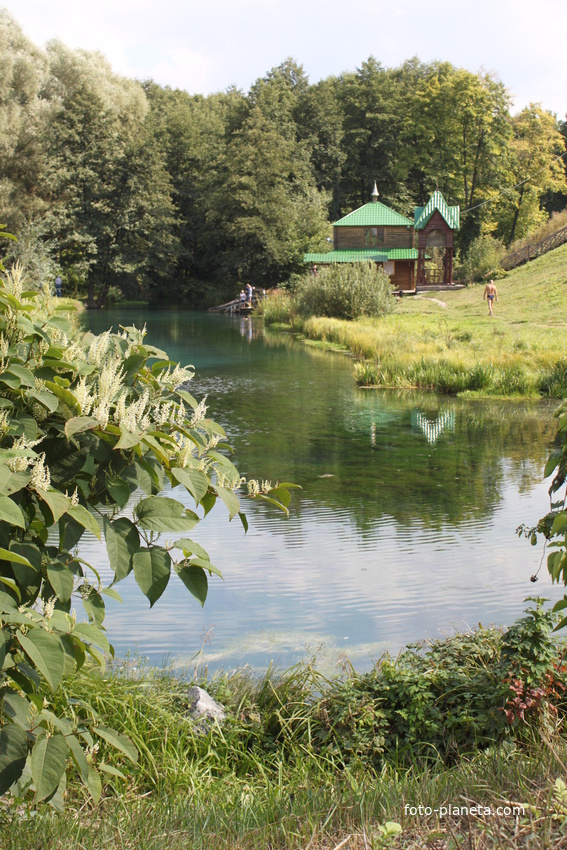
x=208, y=46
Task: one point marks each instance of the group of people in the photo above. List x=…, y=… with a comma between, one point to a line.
x=246, y=294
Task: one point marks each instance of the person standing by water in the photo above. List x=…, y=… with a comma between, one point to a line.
x=490, y=295
x=58, y=286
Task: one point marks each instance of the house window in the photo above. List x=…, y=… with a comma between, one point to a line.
x=373, y=237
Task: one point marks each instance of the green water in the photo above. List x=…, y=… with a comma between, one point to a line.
x=404, y=528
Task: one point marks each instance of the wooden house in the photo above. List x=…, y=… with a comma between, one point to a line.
x=374, y=233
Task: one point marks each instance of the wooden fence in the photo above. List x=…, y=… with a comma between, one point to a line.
x=530, y=252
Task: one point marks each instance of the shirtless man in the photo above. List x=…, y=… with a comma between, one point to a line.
x=490, y=294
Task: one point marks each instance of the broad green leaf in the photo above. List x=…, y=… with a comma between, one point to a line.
x=133, y=364
x=559, y=523
x=244, y=521
x=194, y=480
x=4, y=643
x=188, y=398
x=57, y=502
x=275, y=502
x=46, y=398
x=12, y=482
x=128, y=439
x=78, y=424
x=109, y=591
x=8, y=605
x=94, y=606
x=92, y=634
x=553, y=460
x=26, y=377
x=25, y=425
x=13, y=754
x=10, y=380
x=57, y=800
x=9, y=582
x=79, y=756
x=152, y=569
x=62, y=394
x=94, y=784
x=164, y=514
x=159, y=451
x=112, y=771
x=205, y=564
x=230, y=499
x=11, y=513
x=84, y=517
x=118, y=741
x=48, y=762
x=122, y=541
x=19, y=710
x=191, y=548
x=281, y=494
x=46, y=653
x=8, y=555
x=61, y=580
x=119, y=490
x=195, y=580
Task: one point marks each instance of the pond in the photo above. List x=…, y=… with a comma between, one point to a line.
x=404, y=528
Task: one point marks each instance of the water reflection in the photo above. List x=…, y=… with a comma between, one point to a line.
x=404, y=527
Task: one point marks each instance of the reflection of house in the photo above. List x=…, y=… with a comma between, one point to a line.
x=433, y=428
x=374, y=233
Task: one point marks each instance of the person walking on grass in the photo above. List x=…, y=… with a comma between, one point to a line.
x=490, y=295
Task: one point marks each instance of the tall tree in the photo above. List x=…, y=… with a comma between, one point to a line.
x=263, y=209
x=25, y=112
x=535, y=166
x=110, y=197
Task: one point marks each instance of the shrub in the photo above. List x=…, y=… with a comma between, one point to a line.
x=483, y=259
x=345, y=292
x=277, y=307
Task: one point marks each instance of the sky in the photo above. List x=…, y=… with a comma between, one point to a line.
x=203, y=46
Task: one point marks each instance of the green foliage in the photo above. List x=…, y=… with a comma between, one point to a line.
x=345, y=291
x=483, y=259
x=553, y=526
x=85, y=423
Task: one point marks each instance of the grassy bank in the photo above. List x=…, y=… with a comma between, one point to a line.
x=303, y=761
x=447, y=341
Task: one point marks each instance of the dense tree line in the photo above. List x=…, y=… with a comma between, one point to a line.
x=155, y=191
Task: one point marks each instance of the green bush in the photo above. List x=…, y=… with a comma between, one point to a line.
x=483, y=259
x=345, y=291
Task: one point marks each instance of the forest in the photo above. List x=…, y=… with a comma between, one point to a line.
x=130, y=189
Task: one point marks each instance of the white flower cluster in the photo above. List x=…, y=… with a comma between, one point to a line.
x=134, y=415
x=256, y=488
x=22, y=464
x=199, y=413
x=40, y=478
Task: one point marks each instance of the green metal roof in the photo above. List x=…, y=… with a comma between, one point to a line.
x=436, y=202
x=373, y=214
x=362, y=255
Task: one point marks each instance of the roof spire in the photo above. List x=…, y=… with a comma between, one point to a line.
x=375, y=193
